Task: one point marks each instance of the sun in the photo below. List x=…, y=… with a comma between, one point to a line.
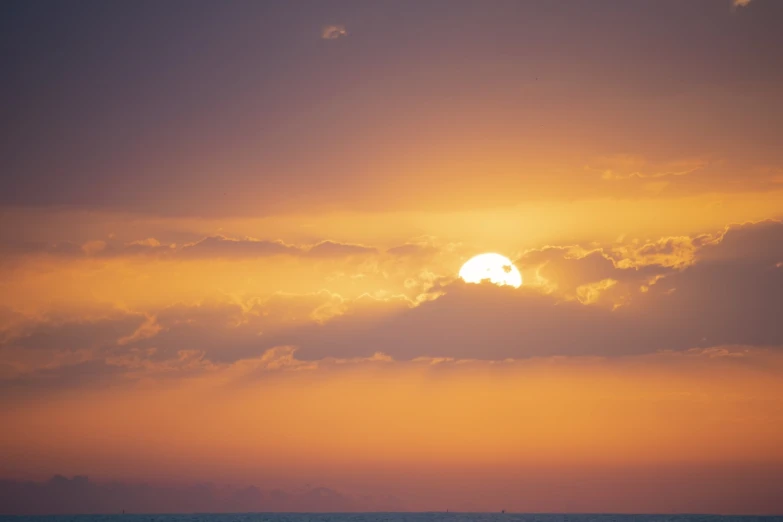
x=492, y=267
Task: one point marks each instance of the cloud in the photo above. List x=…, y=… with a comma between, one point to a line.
x=334, y=249
x=221, y=247
x=218, y=246
x=673, y=252
x=760, y=242
x=734, y=295
x=80, y=495
x=624, y=167
x=74, y=334
x=333, y=32
x=740, y=3
x=562, y=270
x=727, y=291
x=175, y=339
x=149, y=328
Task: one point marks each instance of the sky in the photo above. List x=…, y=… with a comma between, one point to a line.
x=231, y=232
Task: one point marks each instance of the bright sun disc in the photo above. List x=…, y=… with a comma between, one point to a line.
x=492, y=267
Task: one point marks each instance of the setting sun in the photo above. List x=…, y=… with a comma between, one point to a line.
x=490, y=267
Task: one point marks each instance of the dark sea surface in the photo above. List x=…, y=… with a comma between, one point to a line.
x=387, y=517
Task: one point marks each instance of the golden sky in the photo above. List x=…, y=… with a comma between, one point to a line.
x=230, y=240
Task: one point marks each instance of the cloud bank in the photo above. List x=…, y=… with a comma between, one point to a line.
x=676, y=294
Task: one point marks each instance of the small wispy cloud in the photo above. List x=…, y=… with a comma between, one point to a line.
x=740, y=3
x=333, y=32
x=625, y=166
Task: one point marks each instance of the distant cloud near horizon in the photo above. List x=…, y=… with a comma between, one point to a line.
x=740, y=3
x=79, y=494
x=333, y=32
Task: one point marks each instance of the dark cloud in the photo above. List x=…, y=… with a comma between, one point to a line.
x=760, y=243
x=218, y=246
x=732, y=295
x=227, y=333
x=61, y=495
x=75, y=335
x=569, y=270
x=334, y=249
x=100, y=249
x=207, y=248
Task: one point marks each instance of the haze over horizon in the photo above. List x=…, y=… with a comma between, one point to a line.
x=231, y=236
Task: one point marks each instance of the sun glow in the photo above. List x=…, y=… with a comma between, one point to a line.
x=494, y=268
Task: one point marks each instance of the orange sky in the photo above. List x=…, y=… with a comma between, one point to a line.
x=229, y=248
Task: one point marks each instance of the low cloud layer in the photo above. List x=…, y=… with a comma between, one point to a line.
x=208, y=247
x=676, y=294
x=731, y=294
x=742, y=491
x=80, y=495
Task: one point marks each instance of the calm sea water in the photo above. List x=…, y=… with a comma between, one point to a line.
x=388, y=517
